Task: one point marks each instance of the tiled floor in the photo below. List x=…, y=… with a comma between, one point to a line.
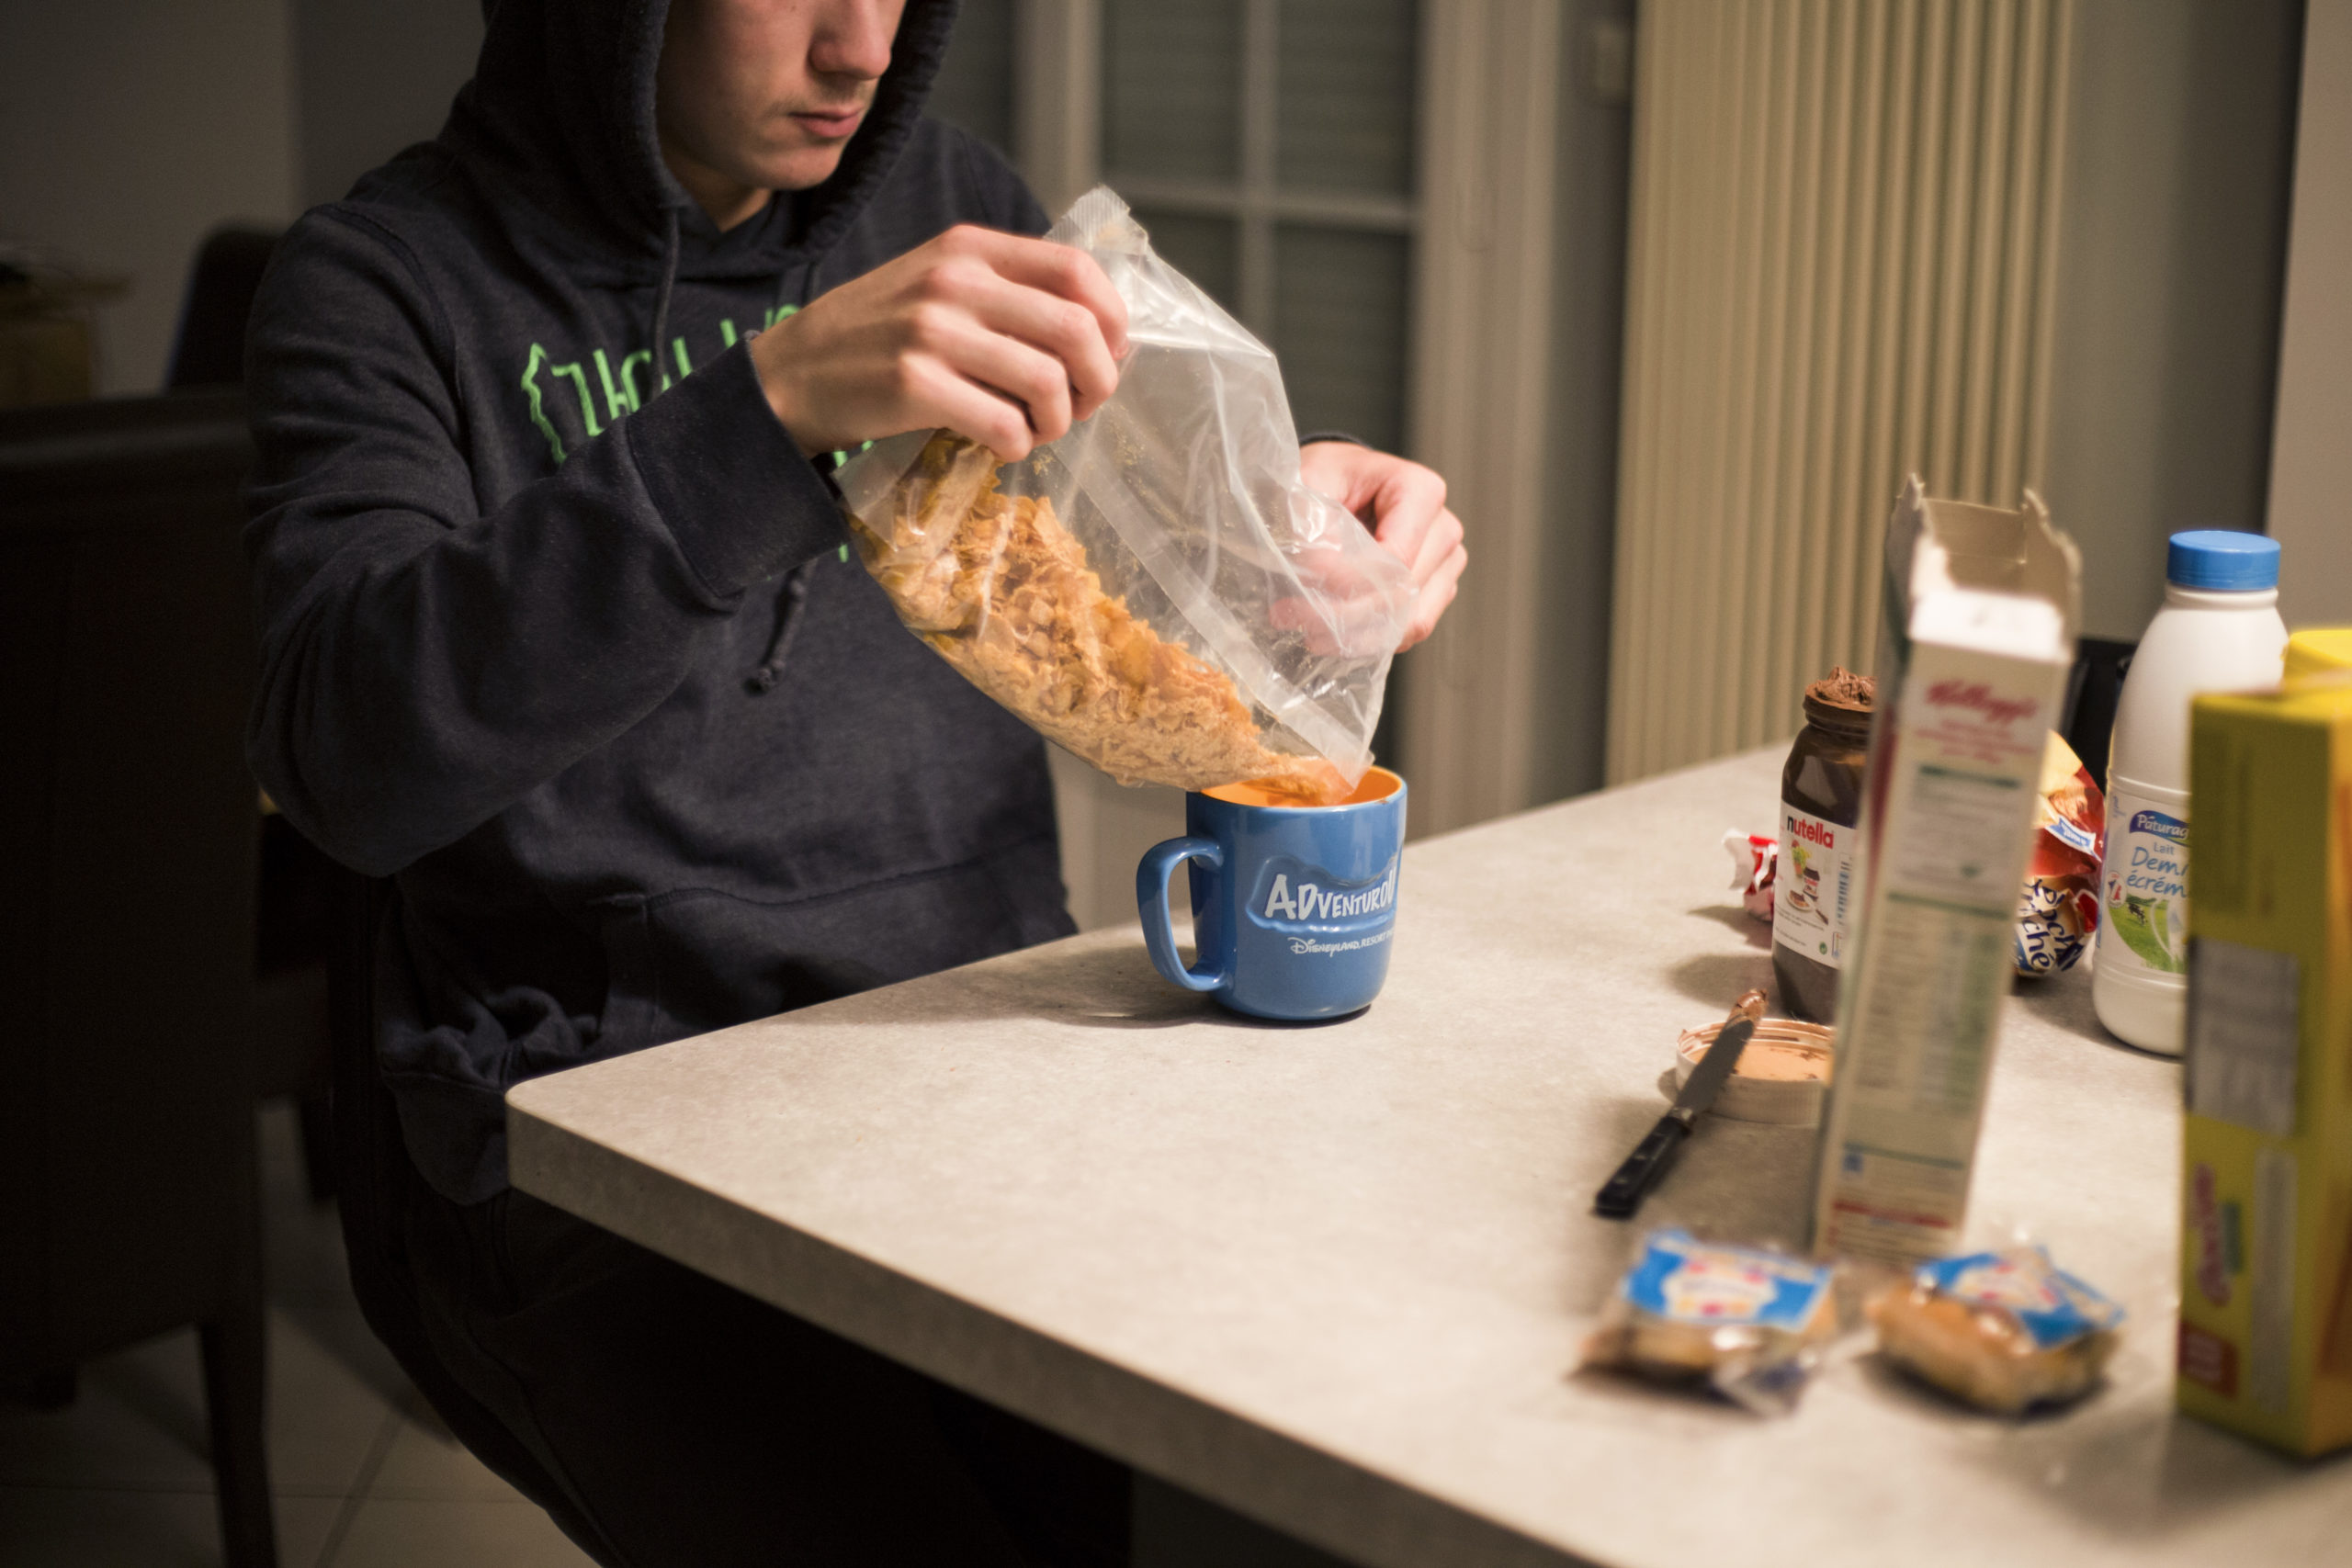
x=363, y=1474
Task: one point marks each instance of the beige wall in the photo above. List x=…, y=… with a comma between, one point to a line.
x=2311, y=476
x=2171, y=241
x=128, y=129
x=1580, y=444
x=371, y=76
x=131, y=129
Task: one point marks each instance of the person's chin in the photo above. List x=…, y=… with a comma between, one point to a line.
x=799, y=168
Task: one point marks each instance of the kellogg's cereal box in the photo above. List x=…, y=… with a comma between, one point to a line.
x=1977, y=635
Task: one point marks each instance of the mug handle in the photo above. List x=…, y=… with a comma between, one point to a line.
x=1159, y=864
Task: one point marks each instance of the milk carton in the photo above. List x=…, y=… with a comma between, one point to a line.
x=1977, y=635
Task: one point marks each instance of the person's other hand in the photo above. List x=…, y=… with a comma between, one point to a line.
x=1404, y=505
x=1006, y=340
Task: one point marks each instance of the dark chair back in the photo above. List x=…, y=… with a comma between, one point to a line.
x=126, y=666
x=129, y=1200
x=211, y=348
x=2093, y=689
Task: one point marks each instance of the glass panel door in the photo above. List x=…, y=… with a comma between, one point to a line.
x=1268, y=147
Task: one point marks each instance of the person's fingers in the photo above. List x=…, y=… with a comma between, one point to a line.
x=1352, y=628
x=1407, y=502
x=1440, y=541
x=1433, y=598
x=943, y=398
x=1067, y=331
x=1057, y=269
x=1345, y=609
x=1030, y=376
x=1343, y=471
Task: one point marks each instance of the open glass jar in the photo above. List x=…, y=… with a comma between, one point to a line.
x=1821, y=802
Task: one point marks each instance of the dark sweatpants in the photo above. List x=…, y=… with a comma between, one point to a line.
x=683, y=1421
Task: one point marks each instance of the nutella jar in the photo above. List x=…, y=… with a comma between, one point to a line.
x=1820, y=800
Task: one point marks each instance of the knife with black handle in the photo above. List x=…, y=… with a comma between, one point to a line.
x=1624, y=1192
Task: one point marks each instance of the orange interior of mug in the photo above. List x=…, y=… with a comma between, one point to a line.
x=1377, y=784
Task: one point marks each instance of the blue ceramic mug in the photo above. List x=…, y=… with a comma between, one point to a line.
x=1292, y=906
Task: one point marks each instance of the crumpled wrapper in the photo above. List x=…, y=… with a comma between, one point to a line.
x=1755, y=869
x=2058, y=906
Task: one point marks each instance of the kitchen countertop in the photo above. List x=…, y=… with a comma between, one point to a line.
x=1334, y=1277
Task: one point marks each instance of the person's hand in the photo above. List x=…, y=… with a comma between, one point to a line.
x=1404, y=505
x=1006, y=340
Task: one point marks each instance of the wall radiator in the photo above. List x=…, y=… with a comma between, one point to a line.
x=1842, y=270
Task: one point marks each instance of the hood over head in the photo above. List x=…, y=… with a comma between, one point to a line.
x=560, y=107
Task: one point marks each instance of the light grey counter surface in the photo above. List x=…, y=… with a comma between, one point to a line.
x=1334, y=1277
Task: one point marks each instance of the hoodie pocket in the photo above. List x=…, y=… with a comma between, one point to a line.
x=719, y=959
x=631, y=1018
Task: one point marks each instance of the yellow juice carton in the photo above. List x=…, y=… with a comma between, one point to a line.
x=2266, y=1265
x=2315, y=651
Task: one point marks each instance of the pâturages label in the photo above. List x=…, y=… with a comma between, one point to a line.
x=2144, y=882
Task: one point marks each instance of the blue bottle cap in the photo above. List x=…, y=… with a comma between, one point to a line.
x=2221, y=559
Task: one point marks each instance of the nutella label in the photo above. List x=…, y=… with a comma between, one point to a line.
x=1814, y=886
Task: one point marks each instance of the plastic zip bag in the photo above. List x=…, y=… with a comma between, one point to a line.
x=1158, y=591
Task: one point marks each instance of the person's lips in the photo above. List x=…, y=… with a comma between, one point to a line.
x=831, y=124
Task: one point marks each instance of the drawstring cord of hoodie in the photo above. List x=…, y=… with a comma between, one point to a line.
x=787, y=626
x=661, y=299
x=795, y=592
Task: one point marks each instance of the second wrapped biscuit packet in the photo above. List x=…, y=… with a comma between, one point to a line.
x=1748, y=1321
x=2002, y=1331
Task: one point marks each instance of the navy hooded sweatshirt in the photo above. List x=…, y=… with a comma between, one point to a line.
x=559, y=628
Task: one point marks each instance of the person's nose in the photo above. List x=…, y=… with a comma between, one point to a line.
x=854, y=40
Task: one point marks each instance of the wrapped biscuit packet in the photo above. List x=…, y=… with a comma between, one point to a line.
x=1749, y=1323
x=2002, y=1331
x=1158, y=591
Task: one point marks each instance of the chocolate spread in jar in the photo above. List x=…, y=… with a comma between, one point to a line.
x=1821, y=801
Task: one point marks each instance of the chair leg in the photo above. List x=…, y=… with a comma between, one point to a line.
x=234, y=1353
x=55, y=1389
x=315, y=1119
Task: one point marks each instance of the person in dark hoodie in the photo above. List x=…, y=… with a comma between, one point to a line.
x=562, y=634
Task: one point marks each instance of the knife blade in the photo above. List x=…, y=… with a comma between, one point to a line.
x=1623, y=1193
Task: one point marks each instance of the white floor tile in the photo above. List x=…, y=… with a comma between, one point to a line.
x=389, y=1533
x=122, y=1476
x=323, y=1415
x=138, y=1420
x=137, y=1423
x=302, y=1256
x=47, y=1527
x=426, y=1462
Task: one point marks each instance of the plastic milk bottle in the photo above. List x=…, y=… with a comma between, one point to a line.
x=2219, y=631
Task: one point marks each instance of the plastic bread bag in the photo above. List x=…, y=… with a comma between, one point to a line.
x=1158, y=590
x=1750, y=1322
x=2058, y=906
x=2002, y=1331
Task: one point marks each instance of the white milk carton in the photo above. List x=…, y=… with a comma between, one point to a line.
x=1977, y=635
